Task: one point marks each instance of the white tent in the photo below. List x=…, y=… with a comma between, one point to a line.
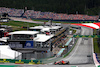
x=7, y=53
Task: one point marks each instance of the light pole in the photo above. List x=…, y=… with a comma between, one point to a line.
x=0, y=53
x=73, y=40
x=15, y=54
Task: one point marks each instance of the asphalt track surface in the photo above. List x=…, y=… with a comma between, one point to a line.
x=82, y=53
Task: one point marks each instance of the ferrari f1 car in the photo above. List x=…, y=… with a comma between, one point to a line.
x=61, y=63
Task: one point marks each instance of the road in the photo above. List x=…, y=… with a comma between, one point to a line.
x=82, y=49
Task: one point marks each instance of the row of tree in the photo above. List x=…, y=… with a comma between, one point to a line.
x=91, y=7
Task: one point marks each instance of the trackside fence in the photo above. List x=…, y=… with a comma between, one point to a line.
x=20, y=61
x=70, y=50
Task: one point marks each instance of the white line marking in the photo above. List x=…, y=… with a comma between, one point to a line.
x=75, y=49
x=79, y=41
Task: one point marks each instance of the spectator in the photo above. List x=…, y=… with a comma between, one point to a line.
x=45, y=15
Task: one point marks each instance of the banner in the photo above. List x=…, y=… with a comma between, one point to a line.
x=21, y=44
x=28, y=44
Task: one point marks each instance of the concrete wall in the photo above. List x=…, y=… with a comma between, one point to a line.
x=36, y=55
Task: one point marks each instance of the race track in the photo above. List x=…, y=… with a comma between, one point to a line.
x=82, y=53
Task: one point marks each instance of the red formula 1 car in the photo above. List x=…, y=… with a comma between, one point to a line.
x=61, y=62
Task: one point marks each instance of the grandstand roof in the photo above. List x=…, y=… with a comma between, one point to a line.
x=37, y=27
x=43, y=37
x=24, y=32
x=45, y=28
x=55, y=27
x=3, y=29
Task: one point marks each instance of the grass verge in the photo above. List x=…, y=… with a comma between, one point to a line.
x=63, y=21
x=96, y=45
x=17, y=25
x=52, y=21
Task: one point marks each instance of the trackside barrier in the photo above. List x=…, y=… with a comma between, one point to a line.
x=4, y=61
x=61, y=51
x=70, y=50
x=20, y=61
x=96, y=61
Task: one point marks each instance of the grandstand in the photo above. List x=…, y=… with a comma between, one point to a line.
x=12, y=12
x=38, y=41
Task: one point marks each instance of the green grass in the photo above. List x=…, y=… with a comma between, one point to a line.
x=17, y=25
x=40, y=20
x=46, y=21
x=96, y=48
x=94, y=32
x=74, y=31
x=62, y=21
x=52, y=21
x=20, y=24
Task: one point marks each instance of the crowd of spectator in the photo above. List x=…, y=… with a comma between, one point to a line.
x=58, y=16
x=45, y=15
x=12, y=11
